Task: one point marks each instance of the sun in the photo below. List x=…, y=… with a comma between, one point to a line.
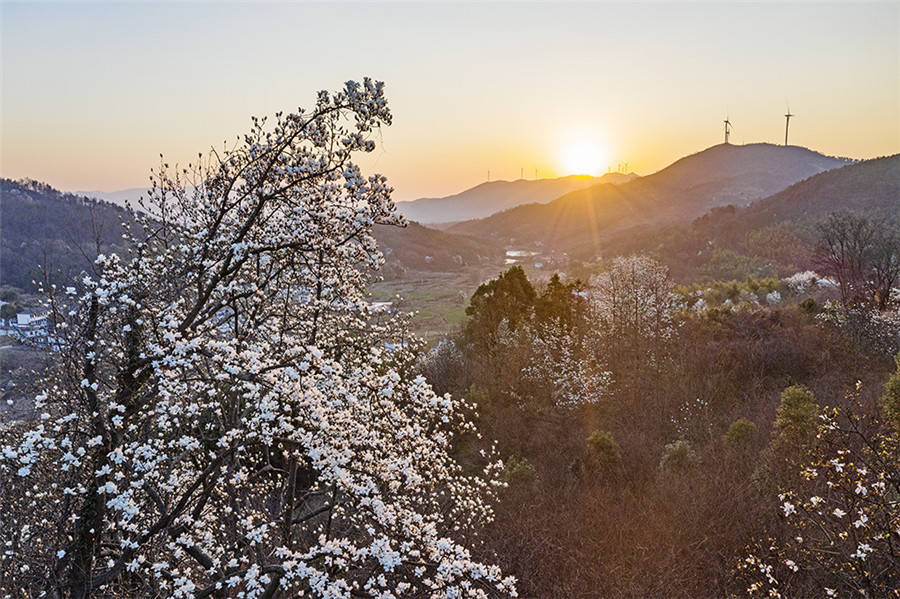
x=584, y=158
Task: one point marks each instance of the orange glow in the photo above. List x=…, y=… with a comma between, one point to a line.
x=585, y=158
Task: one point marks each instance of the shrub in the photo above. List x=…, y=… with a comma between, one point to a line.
x=605, y=451
x=518, y=471
x=678, y=455
x=741, y=434
x=796, y=417
x=891, y=398
x=810, y=306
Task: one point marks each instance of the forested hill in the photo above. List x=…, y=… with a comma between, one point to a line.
x=870, y=185
x=421, y=248
x=41, y=227
x=720, y=175
x=773, y=235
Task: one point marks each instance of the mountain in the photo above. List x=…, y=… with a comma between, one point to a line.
x=773, y=235
x=867, y=186
x=488, y=198
x=42, y=227
x=420, y=248
x=45, y=228
x=723, y=174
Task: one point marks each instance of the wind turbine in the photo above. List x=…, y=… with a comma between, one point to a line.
x=787, y=123
x=727, y=128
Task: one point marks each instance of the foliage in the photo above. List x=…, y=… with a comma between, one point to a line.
x=741, y=434
x=727, y=264
x=891, y=398
x=635, y=312
x=562, y=365
x=678, y=456
x=870, y=330
x=518, y=471
x=606, y=453
x=796, y=417
x=509, y=298
x=810, y=306
x=8, y=311
x=228, y=415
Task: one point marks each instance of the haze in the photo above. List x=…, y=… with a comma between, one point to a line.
x=92, y=93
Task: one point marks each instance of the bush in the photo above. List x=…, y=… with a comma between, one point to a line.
x=518, y=471
x=605, y=451
x=796, y=416
x=891, y=398
x=810, y=306
x=741, y=434
x=678, y=455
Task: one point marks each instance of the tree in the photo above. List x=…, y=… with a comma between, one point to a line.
x=793, y=432
x=510, y=297
x=634, y=307
x=838, y=535
x=561, y=371
x=8, y=311
x=863, y=256
x=229, y=417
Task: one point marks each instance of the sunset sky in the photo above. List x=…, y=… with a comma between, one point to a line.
x=93, y=92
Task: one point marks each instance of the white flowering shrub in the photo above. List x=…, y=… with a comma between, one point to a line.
x=807, y=282
x=563, y=361
x=874, y=331
x=635, y=316
x=773, y=298
x=635, y=297
x=229, y=417
x=841, y=526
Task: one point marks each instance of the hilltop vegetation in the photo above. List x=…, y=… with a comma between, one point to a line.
x=648, y=432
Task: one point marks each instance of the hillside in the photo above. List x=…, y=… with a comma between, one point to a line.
x=773, y=235
x=489, y=198
x=869, y=185
x=120, y=197
x=420, y=248
x=42, y=227
x=720, y=175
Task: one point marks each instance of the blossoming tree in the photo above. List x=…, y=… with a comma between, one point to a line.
x=841, y=523
x=229, y=417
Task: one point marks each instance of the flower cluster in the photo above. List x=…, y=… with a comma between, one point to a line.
x=842, y=525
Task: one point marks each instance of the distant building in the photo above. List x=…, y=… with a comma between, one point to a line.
x=33, y=327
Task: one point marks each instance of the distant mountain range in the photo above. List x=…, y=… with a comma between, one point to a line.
x=479, y=201
x=488, y=198
x=726, y=198
x=773, y=235
x=720, y=175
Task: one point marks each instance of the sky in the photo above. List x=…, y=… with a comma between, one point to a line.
x=92, y=93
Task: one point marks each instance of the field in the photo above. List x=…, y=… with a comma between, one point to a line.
x=438, y=298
